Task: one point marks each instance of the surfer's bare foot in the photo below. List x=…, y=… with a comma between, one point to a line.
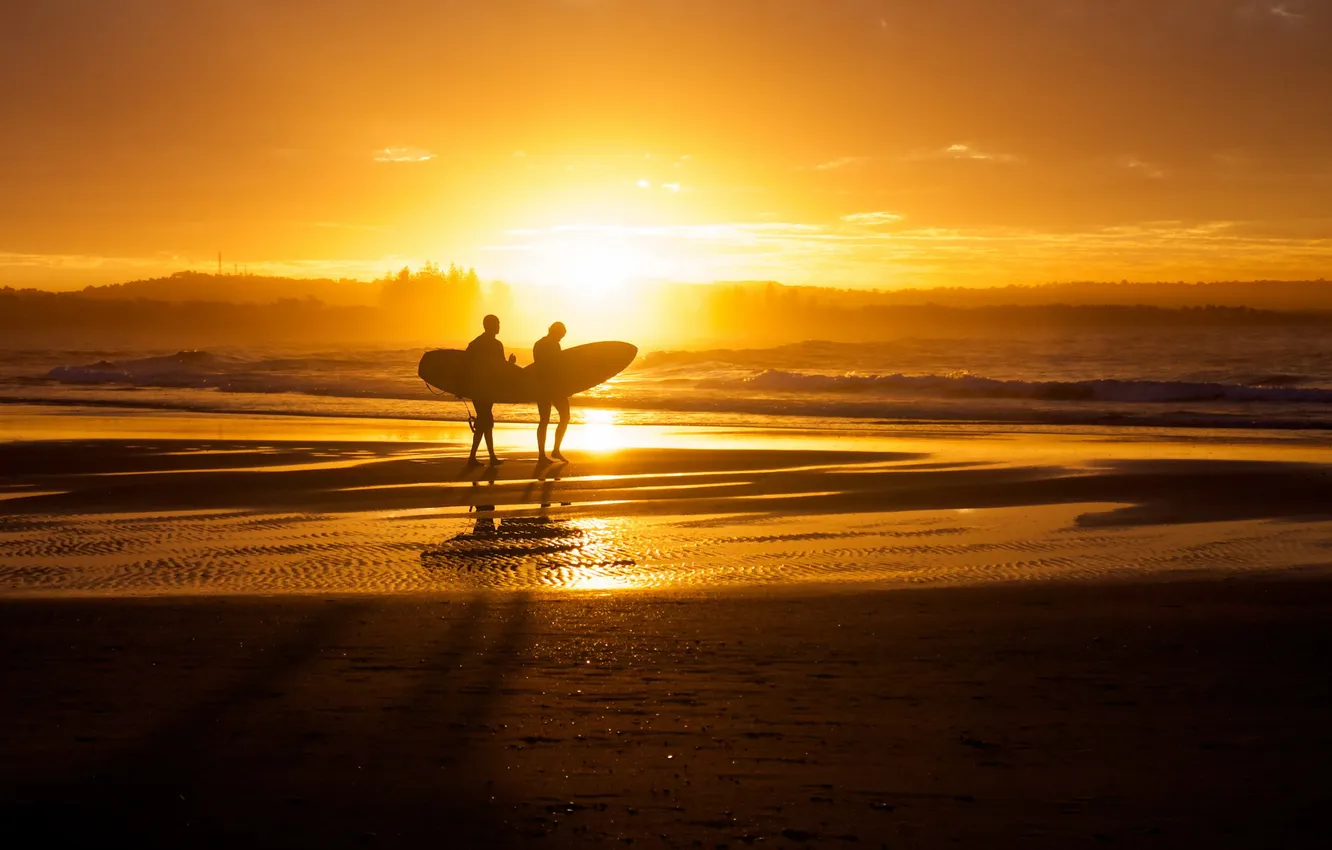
x=471, y=461
x=559, y=456
x=542, y=459
x=494, y=461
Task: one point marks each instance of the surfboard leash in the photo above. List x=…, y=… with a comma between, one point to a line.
x=471, y=418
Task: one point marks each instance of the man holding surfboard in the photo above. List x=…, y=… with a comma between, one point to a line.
x=545, y=360
x=481, y=374
x=485, y=358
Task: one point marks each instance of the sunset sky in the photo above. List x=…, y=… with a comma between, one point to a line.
x=843, y=142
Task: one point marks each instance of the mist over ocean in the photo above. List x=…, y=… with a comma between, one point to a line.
x=1255, y=377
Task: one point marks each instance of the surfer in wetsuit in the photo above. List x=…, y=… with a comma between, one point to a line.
x=486, y=357
x=545, y=360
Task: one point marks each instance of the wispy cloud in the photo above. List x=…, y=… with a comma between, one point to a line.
x=80, y=262
x=961, y=151
x=1290, y=12
x=340, y=225
x=665, y=187
x=851, y=250
x=403, y=155
x=872, y=219
x=73, y=271
x=854, y=249
x=1284, y=11
x=841, y=162
x=1146, y=169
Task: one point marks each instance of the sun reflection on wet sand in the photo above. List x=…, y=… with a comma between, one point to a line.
x=542, y=551
x=598, y=582
x=105, y=515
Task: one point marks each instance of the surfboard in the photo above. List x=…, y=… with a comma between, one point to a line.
x=578, y=369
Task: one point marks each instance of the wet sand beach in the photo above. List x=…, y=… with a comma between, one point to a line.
x=220, y=631
x=155, y=505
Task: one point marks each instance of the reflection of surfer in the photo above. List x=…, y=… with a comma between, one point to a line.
x=485, y=524
x=545, y=360
x=485, y=356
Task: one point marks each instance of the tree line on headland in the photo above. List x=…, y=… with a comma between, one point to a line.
x=432, y=306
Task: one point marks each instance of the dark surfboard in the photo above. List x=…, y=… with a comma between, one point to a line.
x=578, y=369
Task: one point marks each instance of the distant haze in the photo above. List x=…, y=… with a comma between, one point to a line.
x=433, y=306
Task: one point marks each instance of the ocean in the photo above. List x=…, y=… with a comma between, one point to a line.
x=1275, y=378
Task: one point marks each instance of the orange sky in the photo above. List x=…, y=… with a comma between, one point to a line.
x=843, y=142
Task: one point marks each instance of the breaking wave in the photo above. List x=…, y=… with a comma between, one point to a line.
x=381, y=375
x=733, y=387
x=964, y=385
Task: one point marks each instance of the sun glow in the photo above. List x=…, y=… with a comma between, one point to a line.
x=597, y=264
x=598, y=433
x=592, y=279
x=593, y=269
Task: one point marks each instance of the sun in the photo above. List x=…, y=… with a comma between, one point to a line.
x=596, y=264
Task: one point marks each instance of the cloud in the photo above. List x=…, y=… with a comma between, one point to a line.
x=73, y=271
x=850, y=251
x=960, y=151
x=1283, y=11
x=872, y=219
x=668, y=187
x=339, y=225
x=841, y=162
x=403, y=155
x=868, y=248
x=79, y=262
x=1290, y=12
x=1146, y=169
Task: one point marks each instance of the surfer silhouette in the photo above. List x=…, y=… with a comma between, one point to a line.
x=545, y=360
x=485, y=356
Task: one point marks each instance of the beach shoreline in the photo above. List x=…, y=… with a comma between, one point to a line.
x=225, y=505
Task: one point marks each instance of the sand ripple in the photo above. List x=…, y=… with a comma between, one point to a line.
x=306, y=553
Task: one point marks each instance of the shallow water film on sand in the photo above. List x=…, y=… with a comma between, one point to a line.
x=188, y=515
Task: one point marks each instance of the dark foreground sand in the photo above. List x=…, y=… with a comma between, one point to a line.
x=1135, y=715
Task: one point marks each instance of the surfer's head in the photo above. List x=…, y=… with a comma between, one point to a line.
x=557, y=331
x=491, y=324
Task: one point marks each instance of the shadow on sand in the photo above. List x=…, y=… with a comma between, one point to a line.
x=334, y=723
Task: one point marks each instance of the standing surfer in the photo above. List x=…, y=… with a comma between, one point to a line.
x=486, y=358
x=545, y=360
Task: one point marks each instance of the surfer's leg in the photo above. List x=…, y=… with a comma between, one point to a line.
x=476, y=435
x=562, y=405
x=485, y=428
x=485, y=424
x=543, y=410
